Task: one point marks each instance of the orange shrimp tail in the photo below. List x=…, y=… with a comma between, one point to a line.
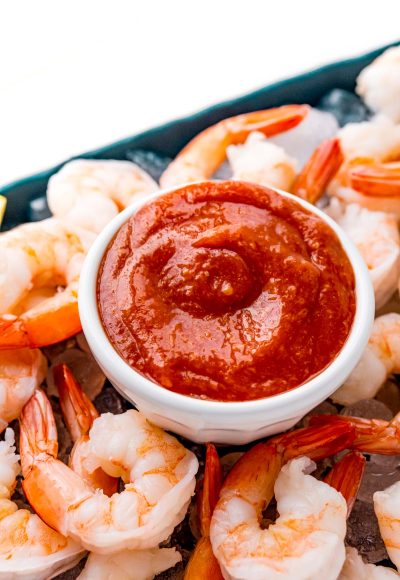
x=40, y=327
x=317, y=442
x=319, y=170
x=77, y=409
x=346, y=476
x=207, y=151
x=208, y=497
x=203, y=565
x=270, y=122
x=38, y=431
x=381, y=180
x=371, y=435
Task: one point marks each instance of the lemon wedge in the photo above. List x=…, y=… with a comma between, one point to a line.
x=3, y=203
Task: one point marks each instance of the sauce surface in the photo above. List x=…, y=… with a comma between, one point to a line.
x=226, y=291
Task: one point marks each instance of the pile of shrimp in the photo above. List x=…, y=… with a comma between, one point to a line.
x=125, y=485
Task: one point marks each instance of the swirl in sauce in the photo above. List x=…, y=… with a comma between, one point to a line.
x=226, y=291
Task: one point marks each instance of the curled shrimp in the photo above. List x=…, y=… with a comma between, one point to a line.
x=376, y=235
x=88, y=193
x=308, y=537
x=159, y=475
x=40, y=265
x=21, y=372
x=206, y=152
x=379, y=84
x=380, y=359
x=29, y=549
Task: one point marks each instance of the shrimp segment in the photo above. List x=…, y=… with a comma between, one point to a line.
x=159, y=475
x=29, y=549
x=387, y=510
x=130, y=565
x=319, y=170
x=79, y=414
x=307, y=539
x=206, y=152
x=21, y=372
x=356, y=569
x=40, y=265
x=380, y=359
x=381, y=180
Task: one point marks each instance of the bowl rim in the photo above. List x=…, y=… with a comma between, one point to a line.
x=316, y=389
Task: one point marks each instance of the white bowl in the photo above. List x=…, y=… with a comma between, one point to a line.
x=222, y=422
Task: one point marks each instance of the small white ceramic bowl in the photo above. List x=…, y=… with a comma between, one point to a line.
x=221, y=422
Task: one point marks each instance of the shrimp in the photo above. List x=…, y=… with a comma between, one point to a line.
x=79, y=414
x=262, y=162
x=21, y=372
x=130, y=565
x=376, y=236
x=356, y=569
x=89, y=193
x=380, y=359
x=29, y=549
x=206, y=152
x=379, y=84
x=40, y=265
x=362, y=178
x=159, y=475
x=308, y=537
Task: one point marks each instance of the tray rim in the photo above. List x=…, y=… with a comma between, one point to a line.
x=99, y=151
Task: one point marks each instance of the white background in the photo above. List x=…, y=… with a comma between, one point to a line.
x=75, y=75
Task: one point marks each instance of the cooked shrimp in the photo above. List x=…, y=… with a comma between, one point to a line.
x=379, y=84
x=356, y=569
x=376, y=236
x=29, y=549
x=40, y=265
x=380, y=359
x=130, y=565
x=88, y=192
x=362, y=179
x=206, y=152
x=308, y=537
x=159, y=475
x=262, y=162
x=21, y=372
x=387, y=511
x=79, y=414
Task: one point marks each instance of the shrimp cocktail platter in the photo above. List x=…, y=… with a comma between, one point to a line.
x=199, y=342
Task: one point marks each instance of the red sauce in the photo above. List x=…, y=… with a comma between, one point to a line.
x=226, y=291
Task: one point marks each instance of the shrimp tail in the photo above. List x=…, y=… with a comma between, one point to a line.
x=40, y=466
x=212, y=483
x=371, y=435
x=38, y=431
x=203, y=565
x=77, y=409
x=319, y=171
x=346, y=475
x=380, y=180
x=42, y=326
x=317, y=441
x=79, y=414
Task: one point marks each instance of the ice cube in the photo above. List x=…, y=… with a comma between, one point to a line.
x=345, y=106
x=150, y=161
x=368, y=409
x=363, y=533
x=85, y=369
x=38, y=209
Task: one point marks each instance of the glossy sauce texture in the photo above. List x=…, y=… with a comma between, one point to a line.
x=226, y=291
